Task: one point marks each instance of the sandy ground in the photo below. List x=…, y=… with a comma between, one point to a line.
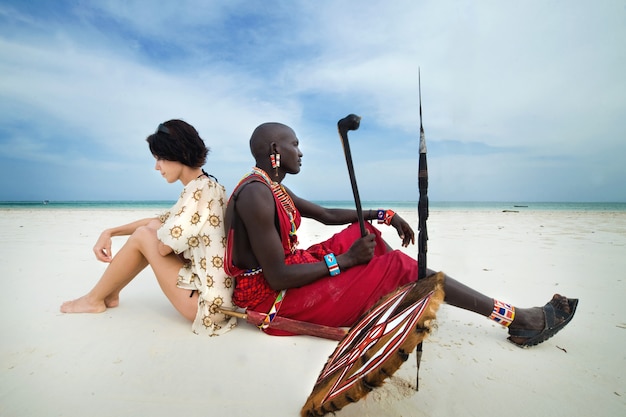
x=142, y=358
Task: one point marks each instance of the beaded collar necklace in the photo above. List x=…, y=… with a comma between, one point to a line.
x=283, y=197
x=278, y=190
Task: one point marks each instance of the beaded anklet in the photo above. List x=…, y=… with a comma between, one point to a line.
x=502, y=313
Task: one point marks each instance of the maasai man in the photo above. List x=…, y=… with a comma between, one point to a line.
x=334, y=282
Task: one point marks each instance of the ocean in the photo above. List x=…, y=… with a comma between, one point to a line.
x=366, y=205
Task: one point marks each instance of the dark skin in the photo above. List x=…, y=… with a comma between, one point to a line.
x=257, y=240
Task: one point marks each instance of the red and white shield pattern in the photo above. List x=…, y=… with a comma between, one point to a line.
x=381, y=322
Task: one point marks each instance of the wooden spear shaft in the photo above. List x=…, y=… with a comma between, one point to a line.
x=290, y=325
x=422, y=208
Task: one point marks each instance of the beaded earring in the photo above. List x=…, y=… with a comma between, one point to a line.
x=275, y=159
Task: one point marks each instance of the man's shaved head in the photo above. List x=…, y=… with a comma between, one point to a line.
x=264, y=135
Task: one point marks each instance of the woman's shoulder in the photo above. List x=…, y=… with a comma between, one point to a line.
x=207, y=182
x=211, y=181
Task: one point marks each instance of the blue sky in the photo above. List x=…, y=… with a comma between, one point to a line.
x=522, y=101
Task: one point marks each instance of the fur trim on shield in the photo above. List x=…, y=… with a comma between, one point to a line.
x=351, y=372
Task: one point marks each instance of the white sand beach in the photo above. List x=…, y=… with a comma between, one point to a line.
x=141, y=359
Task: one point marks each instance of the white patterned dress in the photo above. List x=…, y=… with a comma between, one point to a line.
x=194, y=229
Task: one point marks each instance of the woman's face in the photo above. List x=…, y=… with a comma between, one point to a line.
x=170, y=170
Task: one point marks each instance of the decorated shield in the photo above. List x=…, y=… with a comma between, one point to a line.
x=376, y=346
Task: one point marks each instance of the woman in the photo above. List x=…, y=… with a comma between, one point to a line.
x=184, y=246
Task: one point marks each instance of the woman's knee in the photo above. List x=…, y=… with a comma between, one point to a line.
x=154, y=224
x=143, y=235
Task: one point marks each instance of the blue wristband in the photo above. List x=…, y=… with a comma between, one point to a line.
x=331, y=263
x=380, y=216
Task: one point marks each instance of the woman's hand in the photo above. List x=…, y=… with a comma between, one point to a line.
x=164, y=250
x=404, y=230
x=102, y=248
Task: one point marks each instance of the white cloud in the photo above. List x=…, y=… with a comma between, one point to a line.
x=85, y=86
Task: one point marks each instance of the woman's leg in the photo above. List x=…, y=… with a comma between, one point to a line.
x=166, y=269
x=124, y=266
x=140, y=250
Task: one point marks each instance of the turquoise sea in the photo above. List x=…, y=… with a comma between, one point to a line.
x=395, y=205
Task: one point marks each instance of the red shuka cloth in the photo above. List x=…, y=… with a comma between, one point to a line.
x=337, y=301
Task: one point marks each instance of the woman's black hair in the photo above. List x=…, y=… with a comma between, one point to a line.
x=176, y=140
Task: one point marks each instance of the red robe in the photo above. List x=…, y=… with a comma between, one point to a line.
x=337, y=301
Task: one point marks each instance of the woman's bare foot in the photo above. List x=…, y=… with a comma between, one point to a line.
x=83, y=305
x=112, y=301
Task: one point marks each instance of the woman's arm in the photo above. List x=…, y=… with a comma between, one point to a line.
x=128, y=229
x=198, y=206
x=164, y=250
x=102, y=248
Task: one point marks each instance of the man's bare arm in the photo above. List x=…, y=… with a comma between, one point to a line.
x=256, y=208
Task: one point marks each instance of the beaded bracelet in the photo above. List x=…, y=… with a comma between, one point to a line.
x=331, y=263
x=385, y=216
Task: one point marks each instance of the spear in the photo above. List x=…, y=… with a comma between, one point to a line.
x=422, y=206
x=293, y=326
x=422, y=212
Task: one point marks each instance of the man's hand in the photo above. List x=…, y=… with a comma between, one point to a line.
x=361, y=252
x=404, y=230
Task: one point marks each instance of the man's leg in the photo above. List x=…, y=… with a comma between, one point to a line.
x=528, y=322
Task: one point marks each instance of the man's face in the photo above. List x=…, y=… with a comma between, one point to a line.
x=290, y=155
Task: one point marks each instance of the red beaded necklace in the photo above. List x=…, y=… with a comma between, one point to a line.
x=285, y=200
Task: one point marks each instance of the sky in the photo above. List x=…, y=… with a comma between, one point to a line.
x=521, y=101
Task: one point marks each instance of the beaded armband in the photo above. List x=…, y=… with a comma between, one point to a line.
x=331, y=263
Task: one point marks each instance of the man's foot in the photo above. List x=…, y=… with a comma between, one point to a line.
x=83, y=305
x=556, y=314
